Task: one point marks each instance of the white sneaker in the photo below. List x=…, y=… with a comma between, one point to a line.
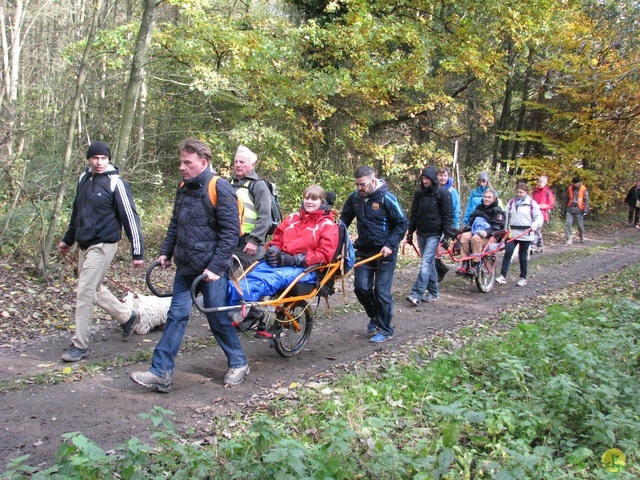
x=235, y=375
x=501, y=279
x=568, y=242
x=522, y=282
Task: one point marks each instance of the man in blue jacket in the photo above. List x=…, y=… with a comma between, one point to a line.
x=381, y=224
x=198, y=245
x=103, y=205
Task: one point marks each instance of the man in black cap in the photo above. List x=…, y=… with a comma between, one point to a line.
x=576, y=208
x=103, y=205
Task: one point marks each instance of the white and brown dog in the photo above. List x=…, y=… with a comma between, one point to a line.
x=153, y=310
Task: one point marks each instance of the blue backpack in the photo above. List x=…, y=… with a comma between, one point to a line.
x=345, y=247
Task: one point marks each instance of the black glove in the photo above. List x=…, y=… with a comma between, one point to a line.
x=272, y=256
x=446, y=242
x=286, y=260
x=409, y=238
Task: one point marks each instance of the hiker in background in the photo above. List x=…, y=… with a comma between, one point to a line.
x=381, y=226
x=523, y=213
x=257, y=207
x=476, y=195
x=431, y=214
x=198, y=246
x=632, y=200
x=445, y=181
x=102, y=206
x=576, y=208
x=543, y=195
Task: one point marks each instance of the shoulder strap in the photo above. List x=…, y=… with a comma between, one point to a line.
x=249, y=186
x=211, y=189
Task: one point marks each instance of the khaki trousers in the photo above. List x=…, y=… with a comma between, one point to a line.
x=93, y=264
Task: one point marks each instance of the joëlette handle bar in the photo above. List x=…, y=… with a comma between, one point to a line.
x=150, y=284
x=245, y=305
x=500, y=245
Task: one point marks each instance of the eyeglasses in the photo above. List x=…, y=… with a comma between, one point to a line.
x=362, y=185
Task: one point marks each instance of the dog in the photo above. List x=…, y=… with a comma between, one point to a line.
x=153, y=311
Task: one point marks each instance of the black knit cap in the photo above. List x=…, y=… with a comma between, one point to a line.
x=576, y=179
x=98, y=148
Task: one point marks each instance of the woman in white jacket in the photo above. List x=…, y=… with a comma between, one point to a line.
x=523, y=213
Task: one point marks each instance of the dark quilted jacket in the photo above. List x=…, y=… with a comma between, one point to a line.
x=191, y=241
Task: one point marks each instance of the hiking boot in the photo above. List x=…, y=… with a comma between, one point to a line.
x=522, y=282
x=473, y=269
x=151, y=380
x=582, y=238
x=75, y=354
x=235, y=376
x=540, y=248
x=380, y=338
x=501, y=280
x=412, y=301
x=127, y=328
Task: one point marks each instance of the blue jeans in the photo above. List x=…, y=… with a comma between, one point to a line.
x=214, y=294
x=372, y=286
x=522, y=256
x=428, y=276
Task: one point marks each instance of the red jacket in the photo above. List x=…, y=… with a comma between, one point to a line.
x=544, y=197
x=315, y=234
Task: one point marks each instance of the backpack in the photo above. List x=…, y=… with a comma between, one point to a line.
x=345, y=248
x=276, y=214
x=213, y=197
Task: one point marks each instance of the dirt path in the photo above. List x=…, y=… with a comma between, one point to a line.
x=105, y=406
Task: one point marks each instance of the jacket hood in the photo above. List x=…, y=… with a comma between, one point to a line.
x=431, y=174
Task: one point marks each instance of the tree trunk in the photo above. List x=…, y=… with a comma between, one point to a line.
x=55, y=214
x=501, y=148
x=135, y=80
x=523, y=107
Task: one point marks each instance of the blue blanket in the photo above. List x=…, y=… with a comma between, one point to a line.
x=264, y=280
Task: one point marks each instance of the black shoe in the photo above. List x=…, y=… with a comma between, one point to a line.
x=253, y=318
x=127, y=328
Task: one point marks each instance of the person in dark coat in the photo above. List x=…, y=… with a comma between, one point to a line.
x=485, y=220
x=381, y=227
x=198, y=246
x=632, y=200
x=431, y=216
x=102, y=207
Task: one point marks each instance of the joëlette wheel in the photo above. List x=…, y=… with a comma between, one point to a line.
x=486, y=278
x=296, y=325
